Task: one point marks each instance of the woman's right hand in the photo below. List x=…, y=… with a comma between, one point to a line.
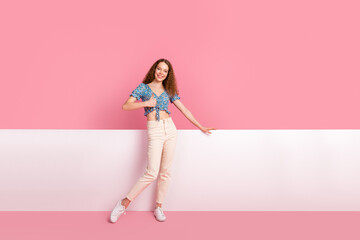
x=151, y=102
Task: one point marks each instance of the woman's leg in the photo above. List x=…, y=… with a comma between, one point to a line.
x=166, y=162
x=155, y=146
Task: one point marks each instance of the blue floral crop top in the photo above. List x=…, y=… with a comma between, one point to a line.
x=144, y=92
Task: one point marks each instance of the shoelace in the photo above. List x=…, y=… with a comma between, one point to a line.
x=118, y=209
x=161, y=211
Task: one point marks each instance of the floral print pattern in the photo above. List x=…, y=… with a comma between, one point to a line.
x=144, y=92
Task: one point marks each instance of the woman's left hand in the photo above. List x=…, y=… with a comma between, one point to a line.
x=206, y=129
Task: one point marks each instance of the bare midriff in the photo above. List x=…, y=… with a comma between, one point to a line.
x=152, y=115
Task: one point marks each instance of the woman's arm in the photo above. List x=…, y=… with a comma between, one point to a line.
x=191, y=117
x=130, y=104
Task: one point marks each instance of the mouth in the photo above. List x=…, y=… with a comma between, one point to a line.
x=160, y=76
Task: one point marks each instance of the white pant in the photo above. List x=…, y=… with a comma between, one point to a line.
x=162, y=136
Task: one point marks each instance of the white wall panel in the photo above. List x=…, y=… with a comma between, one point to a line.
x=230, y=170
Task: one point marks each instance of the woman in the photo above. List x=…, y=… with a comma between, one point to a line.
x=155, y=91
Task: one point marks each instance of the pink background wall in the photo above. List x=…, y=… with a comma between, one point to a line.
x=239, y=64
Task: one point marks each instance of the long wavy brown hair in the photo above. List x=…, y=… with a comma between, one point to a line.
x=170, y=81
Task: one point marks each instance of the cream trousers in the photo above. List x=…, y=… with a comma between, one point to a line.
x=162, y=136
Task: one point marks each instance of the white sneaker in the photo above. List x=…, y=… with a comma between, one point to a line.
x=159, y=214
x=117, y=211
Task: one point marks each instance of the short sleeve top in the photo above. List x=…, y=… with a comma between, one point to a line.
x=144, y=92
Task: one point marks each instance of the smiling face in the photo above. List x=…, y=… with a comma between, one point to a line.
x=161, y=71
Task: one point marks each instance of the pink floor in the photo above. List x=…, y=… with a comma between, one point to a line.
x=181, y=225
